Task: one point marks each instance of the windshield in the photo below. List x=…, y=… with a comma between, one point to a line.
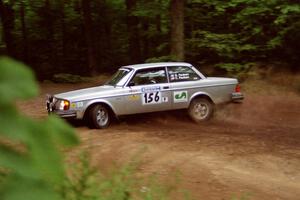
x=121, y=73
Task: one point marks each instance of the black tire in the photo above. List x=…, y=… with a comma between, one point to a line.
x=200, y=110
x=99, y=117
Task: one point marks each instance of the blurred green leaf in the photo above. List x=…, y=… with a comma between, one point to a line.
x=61, y=131
x=16, y=81
x=19, y=188
x=18, y=162
x=31, y=149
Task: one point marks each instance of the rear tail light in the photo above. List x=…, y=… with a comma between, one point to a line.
x=237, y=88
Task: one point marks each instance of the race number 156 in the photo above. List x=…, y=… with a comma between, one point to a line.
x=151, y=98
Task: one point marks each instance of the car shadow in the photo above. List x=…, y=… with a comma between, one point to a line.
x=164, y=117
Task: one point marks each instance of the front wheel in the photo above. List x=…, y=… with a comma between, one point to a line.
x=99, y=117
x=200, y=110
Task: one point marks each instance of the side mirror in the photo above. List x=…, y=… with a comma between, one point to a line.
x=131, y=83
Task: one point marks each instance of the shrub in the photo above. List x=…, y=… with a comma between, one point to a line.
x=237, y=70
x=69, y=78
x=85, y=182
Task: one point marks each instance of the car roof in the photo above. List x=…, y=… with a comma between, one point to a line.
x=159, y=64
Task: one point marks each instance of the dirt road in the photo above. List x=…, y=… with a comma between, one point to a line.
x=250, y=149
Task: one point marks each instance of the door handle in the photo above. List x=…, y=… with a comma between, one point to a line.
x=166, y=87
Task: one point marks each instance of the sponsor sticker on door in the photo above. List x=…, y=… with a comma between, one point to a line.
x=180, y=96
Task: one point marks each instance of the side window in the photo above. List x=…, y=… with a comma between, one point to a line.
x=150, y=76
x=178, y=74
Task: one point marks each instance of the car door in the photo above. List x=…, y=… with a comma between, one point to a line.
x=148, y=91
x=183, y=84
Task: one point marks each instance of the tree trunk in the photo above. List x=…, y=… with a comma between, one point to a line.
x=158, y=21
x=145, y=39
x=63, y=33
x=133, y=33
x=105, y=48
x=24, y=32
x=89, y=35
x=48, y=26
x=7, y=18
x=177, y=29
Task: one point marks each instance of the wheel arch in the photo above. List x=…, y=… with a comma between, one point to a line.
x=104, y=103
x=201, y=95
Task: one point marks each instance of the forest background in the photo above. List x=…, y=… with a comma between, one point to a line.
x=90, y=37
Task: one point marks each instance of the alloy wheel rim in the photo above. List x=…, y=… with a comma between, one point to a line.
x=201, y=110
x=102, y=117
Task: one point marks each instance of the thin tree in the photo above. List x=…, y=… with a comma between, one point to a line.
x=89, y=35
x=133, y=32
x=24, y=31
x=177, y=29
x=7, y=19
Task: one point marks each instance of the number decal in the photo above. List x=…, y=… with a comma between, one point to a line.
x=157, y=97
x=152, y=98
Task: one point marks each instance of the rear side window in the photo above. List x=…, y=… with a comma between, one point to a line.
x=150, y=76
x=180, y=73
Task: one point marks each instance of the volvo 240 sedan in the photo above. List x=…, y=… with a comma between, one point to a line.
x=147, y=88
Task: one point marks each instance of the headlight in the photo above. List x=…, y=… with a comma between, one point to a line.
x=64, y=105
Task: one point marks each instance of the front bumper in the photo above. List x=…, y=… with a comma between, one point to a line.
x=237, y=96
x=65, y=113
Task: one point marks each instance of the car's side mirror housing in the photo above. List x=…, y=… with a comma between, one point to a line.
x=131, y=83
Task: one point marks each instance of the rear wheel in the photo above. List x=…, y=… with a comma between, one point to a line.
x=200, y=110
x=99, y=117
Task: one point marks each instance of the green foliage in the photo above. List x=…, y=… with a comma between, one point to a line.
x=69, y=78
x=242, y=30
x=81, y=182
x=234, y=67
x=29, y=153
x=161, y=59
x=237, y=70
x=224, y=45
x=84, y=182
x=231, y=31
x=13, y=76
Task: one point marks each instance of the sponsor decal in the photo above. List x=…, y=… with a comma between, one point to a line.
x=180, y=96
x=77, y=105
x=179, y=76
x=150, y=89
x=134, y=97
x=132, y=91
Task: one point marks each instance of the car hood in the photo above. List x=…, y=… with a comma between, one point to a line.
x=88, y=93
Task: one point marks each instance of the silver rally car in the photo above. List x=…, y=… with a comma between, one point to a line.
x=147, y=88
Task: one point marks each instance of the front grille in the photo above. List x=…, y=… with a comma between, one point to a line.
x=50, y=103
